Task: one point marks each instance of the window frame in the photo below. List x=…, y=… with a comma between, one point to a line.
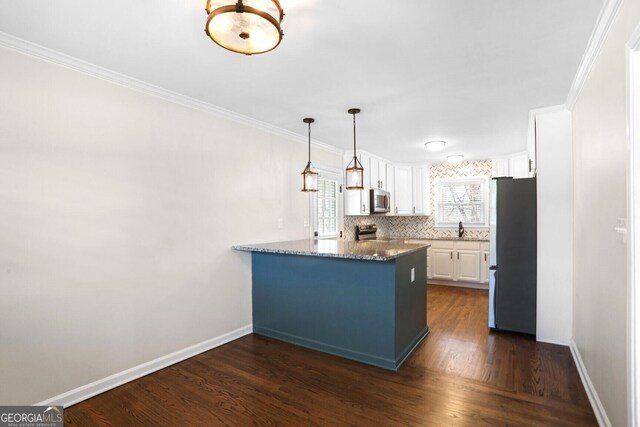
x=466, y=180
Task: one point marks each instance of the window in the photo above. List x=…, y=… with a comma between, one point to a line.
x=327, y=203
x=462, y=199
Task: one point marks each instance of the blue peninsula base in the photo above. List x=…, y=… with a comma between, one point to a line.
x=368, y=311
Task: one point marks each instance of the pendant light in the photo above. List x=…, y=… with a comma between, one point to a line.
x=249, y=26
x=355, y=171
x=309, y=177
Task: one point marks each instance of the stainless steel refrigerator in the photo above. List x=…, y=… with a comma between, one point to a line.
x=513, y=252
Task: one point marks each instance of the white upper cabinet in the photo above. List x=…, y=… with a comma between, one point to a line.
x=378, y=173
x=408, y=186
x=391, y=186
x=383, y=175
x=374, y=174
x=515, y=165
x=420, y=175
x=404, y=191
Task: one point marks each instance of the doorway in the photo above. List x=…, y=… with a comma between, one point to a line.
x=326, y=205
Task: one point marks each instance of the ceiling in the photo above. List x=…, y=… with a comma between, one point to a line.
x=465, y=71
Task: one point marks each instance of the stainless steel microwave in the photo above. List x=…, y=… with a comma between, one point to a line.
x=379, y=201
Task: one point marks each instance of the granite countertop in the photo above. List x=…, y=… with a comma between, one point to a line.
x=336, y=248
x=461, y=239
x=426, y=239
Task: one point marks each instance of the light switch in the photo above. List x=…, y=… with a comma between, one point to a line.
x=305, y=223
x=413, y=275
x=280, y=223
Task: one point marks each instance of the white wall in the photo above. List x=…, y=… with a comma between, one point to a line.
x=118, y=211
x=600, y=167
x=555, y=226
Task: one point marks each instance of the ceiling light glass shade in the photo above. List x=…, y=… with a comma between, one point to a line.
x=248, y=26
x=309, y=179
x=355, y=175
x=435, y=145
x=457, y=158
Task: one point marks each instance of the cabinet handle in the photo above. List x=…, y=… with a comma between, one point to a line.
x=396, y=209
x=458, y=255
x=451, y=253
x=363, y=208
x=485, y=257
x=414, y=209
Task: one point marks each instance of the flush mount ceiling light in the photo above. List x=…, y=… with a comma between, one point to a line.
x=355, y=171
x=435, y=145
x=309, y=177
x=249, y=26
x=456, y=158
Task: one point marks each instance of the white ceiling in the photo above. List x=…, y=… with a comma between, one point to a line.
x=466, y=71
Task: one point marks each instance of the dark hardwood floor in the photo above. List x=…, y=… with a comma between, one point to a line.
x=460, y=375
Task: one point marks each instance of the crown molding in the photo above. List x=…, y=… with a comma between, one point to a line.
x=596, y=41
x=38, y=51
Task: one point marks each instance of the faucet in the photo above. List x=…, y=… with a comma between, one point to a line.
x=460, y=229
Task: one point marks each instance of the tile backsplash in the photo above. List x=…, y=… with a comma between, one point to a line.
x=423, y=227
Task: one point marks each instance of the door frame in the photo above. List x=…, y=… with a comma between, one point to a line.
x=633, y=227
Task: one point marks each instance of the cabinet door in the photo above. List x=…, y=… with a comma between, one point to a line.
x=404, y=202
x=499, y=167
x=484, y=267
x=382, y=174
x=467, y=266
x=374, y=176
x=519, y=166
x=419, y=174
x=391, y=187
x=442, y=263
x=365, y=159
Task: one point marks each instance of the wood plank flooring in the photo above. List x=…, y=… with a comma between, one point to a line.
x=461, y=375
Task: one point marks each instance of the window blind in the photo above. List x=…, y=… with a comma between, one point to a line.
x=461, y=199
x=327, y=207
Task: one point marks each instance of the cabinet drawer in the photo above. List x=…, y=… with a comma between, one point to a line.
x=484, y=246
x=468, y=246
x=442, y=244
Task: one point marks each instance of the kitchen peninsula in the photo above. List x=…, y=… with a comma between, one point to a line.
x=365, y=301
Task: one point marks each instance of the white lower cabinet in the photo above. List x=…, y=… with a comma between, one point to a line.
x=458, y=261
x=442, y=264
x=467, y=266
x=442, y=257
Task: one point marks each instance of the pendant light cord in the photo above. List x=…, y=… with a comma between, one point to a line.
x=354, y=134
x=309, y=142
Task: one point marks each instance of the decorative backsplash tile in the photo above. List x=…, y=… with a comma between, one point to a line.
x=422, y=227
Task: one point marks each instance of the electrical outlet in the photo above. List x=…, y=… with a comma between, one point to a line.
x=280, y=223
x=305, y=222
x=413, y=275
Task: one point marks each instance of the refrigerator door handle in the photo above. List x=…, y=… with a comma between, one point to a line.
x=493, y=270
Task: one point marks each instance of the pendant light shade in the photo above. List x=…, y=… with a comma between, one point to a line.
x=309, y=177
x=247, y=26
x=355, y=171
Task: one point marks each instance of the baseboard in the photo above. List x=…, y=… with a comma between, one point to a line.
x=470, y=285
x=84, y=392
x=596, y=404
x=552, y=341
